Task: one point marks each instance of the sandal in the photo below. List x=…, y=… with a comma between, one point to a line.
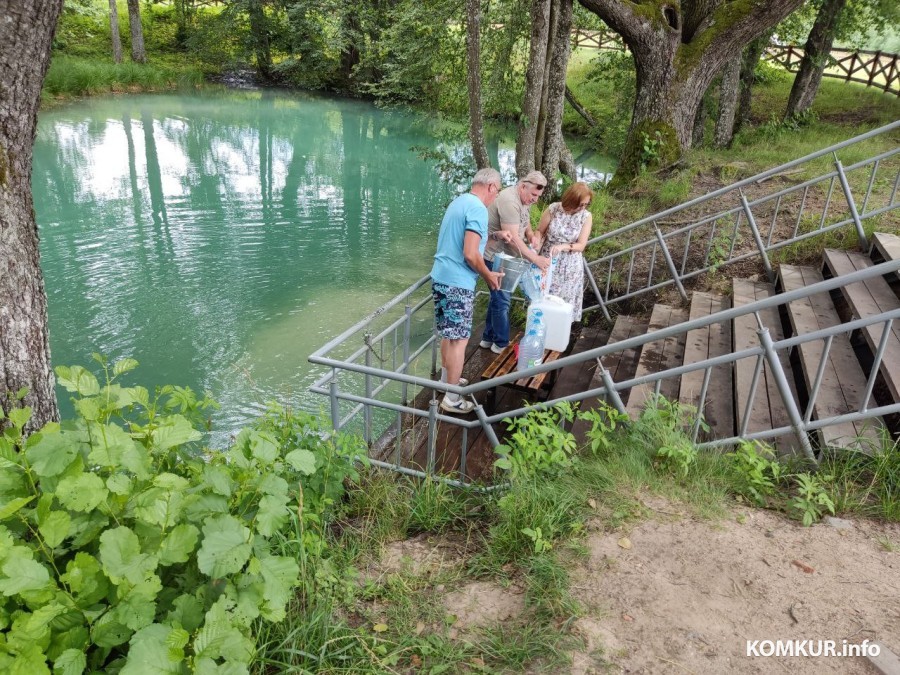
x=458, y=407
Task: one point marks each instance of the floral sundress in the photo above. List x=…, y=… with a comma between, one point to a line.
x=568, y=275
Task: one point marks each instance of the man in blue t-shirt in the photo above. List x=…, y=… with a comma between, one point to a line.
x=457, y=265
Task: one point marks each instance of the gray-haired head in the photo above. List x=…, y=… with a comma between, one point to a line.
x=535, y=178
x=487, y=176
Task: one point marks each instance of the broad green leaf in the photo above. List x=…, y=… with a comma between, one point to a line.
x=173, y=431
x=207, y=666
x=273, y=513
x=302, y=460
x=148, y=653
x=178, y=544
x=186, y=612
x=70, y=662
x=137, y=607
x=55, y=528
x=24, y=575
x=219, y=638
x=263, y=447
x=273, y=485
x=218, y=480
x=119, y=484
x=77, y=638
x=225, y=548
x=120, y=554
x=19, y=416
x=159, y=506
x=123, y=366
x=280, y=575
x=109, y=443
x=136, y=459
x=30, y=662
x=52, y=453
x=88, y=408
x=82, y=492
x=108, y=632
x=77, y=379
x=169, y=481
x=12, y=506
x=84, y=579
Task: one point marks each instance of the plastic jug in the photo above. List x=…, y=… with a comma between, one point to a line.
x=556, y=315
x=531, y=351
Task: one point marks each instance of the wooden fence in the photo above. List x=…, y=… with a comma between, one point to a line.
x=873, y=69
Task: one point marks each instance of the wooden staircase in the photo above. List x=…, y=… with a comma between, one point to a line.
x=743, y=397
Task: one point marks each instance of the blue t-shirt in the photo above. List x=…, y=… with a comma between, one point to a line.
x=465, y=213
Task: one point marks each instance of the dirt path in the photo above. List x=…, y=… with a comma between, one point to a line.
x=688, y=595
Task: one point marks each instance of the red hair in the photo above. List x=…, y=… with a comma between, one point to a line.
x=574, y=196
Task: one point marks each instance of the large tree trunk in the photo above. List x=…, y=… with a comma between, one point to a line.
x=114, y=31
x=815, y=57
x=556, y=91
x=138, y=53
x=259, y=30
x=473, y=61
x=752, y=54
x=541, y=123
x=728, y=95
x=674, y=67
x=534, y=86
x=25, y=36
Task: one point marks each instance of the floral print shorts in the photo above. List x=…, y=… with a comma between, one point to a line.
x=453, y=308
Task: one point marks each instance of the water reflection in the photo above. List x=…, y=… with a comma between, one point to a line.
x=220, y=238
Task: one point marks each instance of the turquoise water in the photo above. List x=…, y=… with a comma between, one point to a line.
x=219, y=238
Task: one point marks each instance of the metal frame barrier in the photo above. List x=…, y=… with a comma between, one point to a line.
x=369, y=398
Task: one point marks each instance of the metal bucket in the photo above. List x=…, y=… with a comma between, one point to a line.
x=512, y=268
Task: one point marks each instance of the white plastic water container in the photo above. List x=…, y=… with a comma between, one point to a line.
x=557, y=321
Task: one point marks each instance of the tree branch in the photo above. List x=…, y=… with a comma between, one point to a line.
x=634, y=21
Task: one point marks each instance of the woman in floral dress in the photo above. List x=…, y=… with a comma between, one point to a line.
x=564, y=229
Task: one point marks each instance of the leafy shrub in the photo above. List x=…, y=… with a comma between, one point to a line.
x=756, y=472
x=124, y=548
x=537, y=443
x=811, y=500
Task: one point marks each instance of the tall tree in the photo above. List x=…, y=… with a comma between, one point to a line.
x=728, y=100
x=678, y=49
x=138, y=53
x=534, y=86
x=114, y=31
x=752, y=54
x=815, y=57
x=259, y=35
x=473, y=59
x=556, y=91
x=26, y=33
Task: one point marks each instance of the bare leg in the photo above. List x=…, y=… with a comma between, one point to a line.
x=453, y=355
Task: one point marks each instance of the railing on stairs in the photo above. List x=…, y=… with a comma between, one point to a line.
x=375, y=369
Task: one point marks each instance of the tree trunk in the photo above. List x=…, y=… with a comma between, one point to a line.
x=674, y=69
x=138, y=53
x=350, y=53
x=25, y=36
x=114, y=31
x=567, y=163
x=545, y=87
x=577, y=107
x=752, y=54
x=556, y=90
x=473, y=80
x=698, y=135
x=259, y=31
x=534, y=85
x=815, y=57
x=728, y=94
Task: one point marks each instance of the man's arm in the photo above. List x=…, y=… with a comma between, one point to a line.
x=528, y=253
x=476, y=262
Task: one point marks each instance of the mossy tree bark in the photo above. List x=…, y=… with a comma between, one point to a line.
x=25, y=36
x=678, y=48
x=815, y=57
x=752, y=54
x=473, y=59
x=728, y=99
x=114, y=31
x=534, y=86
x=138, y=53
x=556, y=93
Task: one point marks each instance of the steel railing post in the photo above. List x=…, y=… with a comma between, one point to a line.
x=488, y=429
x=407, y=331
x=669, y=262
x=593, y=282
x=432, y=435
x=876, y=364
x=787, y=396
x=611, y=392
x=335, y=403
x=757, y=237
x=367, y=410
x=845, y=186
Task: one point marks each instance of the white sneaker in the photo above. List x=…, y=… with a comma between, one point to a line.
x=485, y=344
x=458, y=407
x=496, y=349
x=463, y=382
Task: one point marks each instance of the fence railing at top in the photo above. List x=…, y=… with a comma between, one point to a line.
x=873, y=69
x=747, y=220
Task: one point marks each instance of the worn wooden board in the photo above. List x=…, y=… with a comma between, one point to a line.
x=843, y=383
x=622, y=365
x=869, y=298
x=657, y=356
x=767, y=407
x=886, y=246
x=701, y=344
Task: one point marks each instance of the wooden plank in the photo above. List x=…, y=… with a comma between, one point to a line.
x=622, y=365
x=767, y=408
x=885, y=247
x=843, y=382
x=578, y=378
x=869, y=298
x=657, y=356
x=703, y=343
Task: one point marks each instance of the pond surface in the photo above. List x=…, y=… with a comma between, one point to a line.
x=221, y=237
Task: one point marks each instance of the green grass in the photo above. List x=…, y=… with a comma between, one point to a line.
x=70, y=76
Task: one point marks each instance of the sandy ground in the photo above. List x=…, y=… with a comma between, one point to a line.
x=675, y=594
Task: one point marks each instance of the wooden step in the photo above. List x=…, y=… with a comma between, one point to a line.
x=657, y=356
x=885, y=247
x=767, y=409
x=869, y=298
x=843, y=382
x=705, y=343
